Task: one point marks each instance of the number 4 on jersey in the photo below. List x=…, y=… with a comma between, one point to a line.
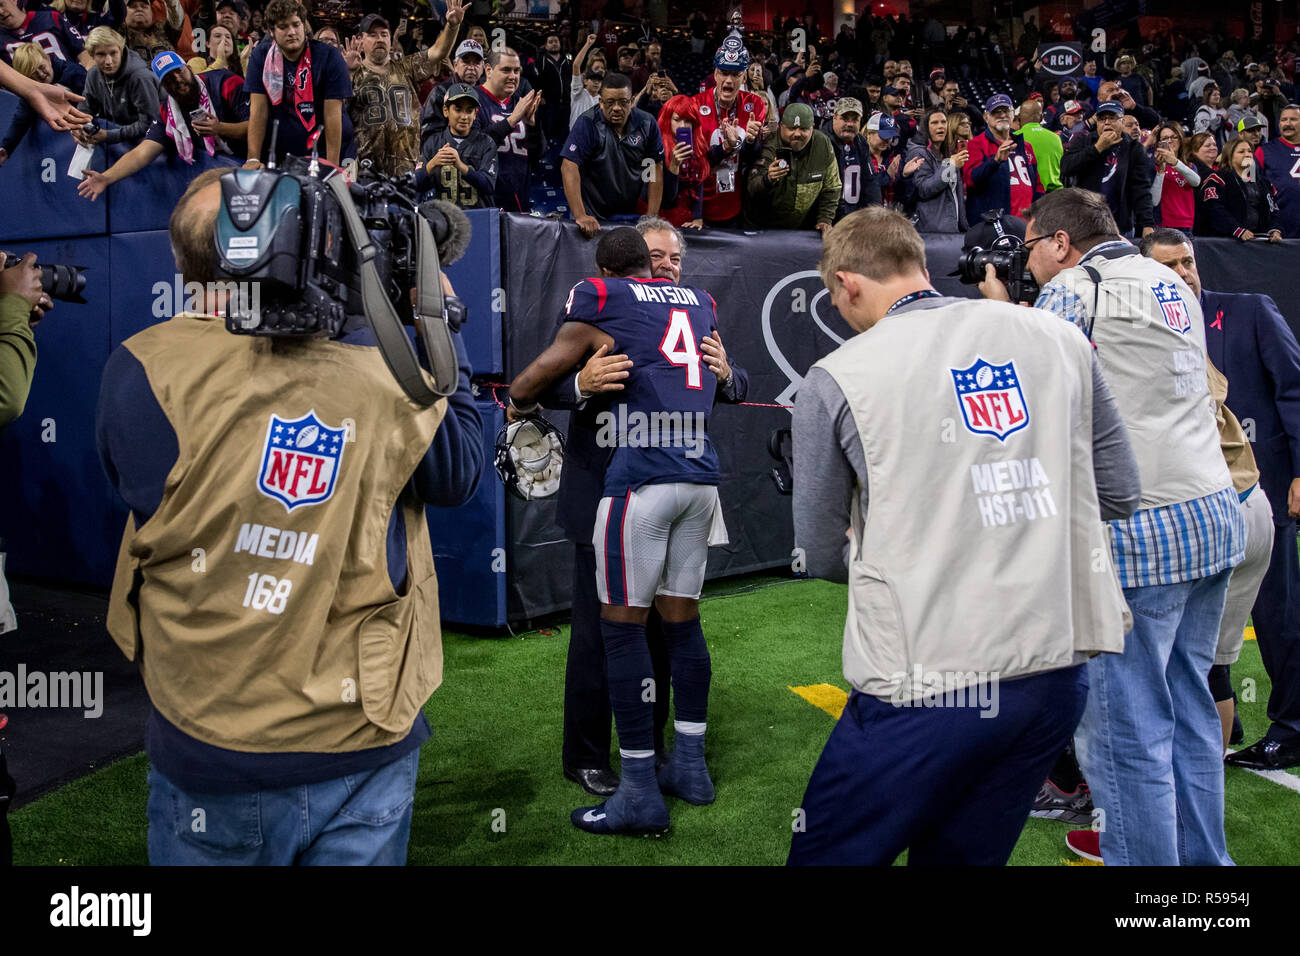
x=679, y=347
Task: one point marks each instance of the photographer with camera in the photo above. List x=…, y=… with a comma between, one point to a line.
x=22, y=302
x=962, y=680
x=276, y=579
x=1149, y=743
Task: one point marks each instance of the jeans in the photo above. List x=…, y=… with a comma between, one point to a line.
x=359, y=819
x=1150, y=744
x=952, y=785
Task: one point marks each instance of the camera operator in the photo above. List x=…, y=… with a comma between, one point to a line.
x=22, y=302
x=284, y=612
x=1149, y=743
x=905, y=436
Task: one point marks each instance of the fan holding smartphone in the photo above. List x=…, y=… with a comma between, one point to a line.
x=687, y=165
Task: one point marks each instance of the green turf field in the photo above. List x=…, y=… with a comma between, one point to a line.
x=495, y=757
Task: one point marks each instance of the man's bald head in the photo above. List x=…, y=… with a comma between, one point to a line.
x=190, y=227
x=1031, y=111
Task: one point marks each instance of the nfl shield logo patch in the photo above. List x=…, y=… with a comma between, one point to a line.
x=300, y=460
x=1173, y=306
x=990, y=398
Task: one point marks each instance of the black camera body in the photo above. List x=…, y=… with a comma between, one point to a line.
x=284, y=230
x=301, y=252
x=283, y=233
x=61, y=283
x=1010, y=260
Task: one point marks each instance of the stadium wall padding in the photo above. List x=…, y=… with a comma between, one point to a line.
x=498, y=558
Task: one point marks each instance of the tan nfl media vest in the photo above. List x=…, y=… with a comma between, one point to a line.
x=1150, y=339
x=257, y=599
x=982, y=550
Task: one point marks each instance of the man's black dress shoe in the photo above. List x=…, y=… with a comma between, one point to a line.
x=602, y=783
x=1266, y=754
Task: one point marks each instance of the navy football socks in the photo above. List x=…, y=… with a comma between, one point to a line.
x=627, y=666
x=685, y=774
x=637, y=806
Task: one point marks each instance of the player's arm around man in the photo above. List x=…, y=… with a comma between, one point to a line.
x=658, y=512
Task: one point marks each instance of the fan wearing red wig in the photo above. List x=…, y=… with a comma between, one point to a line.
x=687, y=166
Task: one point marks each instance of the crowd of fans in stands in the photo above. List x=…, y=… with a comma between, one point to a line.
x=704, y=124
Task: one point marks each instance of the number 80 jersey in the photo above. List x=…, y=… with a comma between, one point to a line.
x=656, y=428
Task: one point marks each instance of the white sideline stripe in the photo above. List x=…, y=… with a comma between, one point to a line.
x=1280, y=777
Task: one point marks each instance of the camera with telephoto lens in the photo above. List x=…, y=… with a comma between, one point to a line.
x=1010, y=260
x=318, y=250
x=60, y=282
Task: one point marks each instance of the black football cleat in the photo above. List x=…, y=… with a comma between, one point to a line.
x=1266, y=755
x=599, y=782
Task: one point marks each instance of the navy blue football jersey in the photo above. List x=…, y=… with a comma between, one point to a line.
x=1281, y=162
x=656, y=427
x=512, y=155
x=49, y=30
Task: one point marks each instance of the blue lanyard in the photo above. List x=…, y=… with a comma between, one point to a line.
x=912, y=297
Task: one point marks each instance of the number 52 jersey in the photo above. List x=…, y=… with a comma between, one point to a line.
x=656, y=428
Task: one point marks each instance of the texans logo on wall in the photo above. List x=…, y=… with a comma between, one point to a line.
x=787, y=308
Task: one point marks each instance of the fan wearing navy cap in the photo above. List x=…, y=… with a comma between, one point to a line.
x=732, y=121
x=1106, y=161
x=204, y=113
x=1279, y=158
x=48, y=28
x=894, y=100
x=1001, y=171
x=886, y=148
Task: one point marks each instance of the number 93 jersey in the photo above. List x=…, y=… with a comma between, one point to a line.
x=656, y=428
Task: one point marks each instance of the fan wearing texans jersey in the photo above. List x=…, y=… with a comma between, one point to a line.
x=507, y=106
x=655, y=521
x=46, y=28
x=1280, y=160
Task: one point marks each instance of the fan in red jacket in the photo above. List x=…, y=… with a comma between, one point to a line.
x=1001, y=172
x=731, y=120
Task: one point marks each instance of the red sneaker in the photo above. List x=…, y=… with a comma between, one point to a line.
x=1085, y=843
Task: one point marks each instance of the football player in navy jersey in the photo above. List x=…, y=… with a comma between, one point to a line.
x=656, y=518
x=47, y=28
x=1280, y=160
x=507, y=108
